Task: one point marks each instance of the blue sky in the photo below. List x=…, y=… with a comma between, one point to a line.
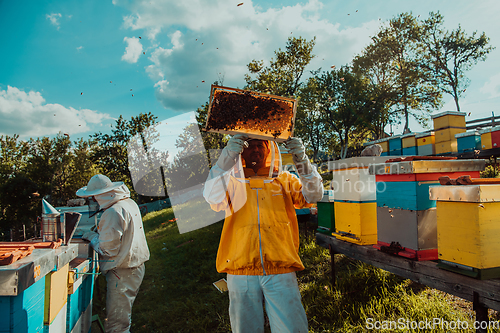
x=76, y=66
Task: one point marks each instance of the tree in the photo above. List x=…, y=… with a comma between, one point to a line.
x=283, y=76
x=397, y=46
x=309, y=124
x=110, y=150
x=346, y=105
x=48, y=166
x=13, y=153
x=449, y=54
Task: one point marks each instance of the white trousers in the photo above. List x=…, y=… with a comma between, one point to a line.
x=122, y=287
x=282, y=301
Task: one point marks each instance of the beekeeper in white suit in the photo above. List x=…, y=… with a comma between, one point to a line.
x=122, y=246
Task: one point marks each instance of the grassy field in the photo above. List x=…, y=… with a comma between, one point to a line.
x=177, y=294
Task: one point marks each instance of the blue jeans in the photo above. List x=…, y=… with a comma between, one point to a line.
x=282, y=300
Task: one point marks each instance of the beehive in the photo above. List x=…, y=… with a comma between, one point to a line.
x=495, y=137
x=406, y=221
x=326, y=213
x=468, y=229
x=56, y=296
x=258, y=115
x=448, y=119
x=425, y=143
x=409, y=144
x=24, y=312
x=486, y=139
x=468, y=141
x=447, y=134
x=354, y=196
x=445, y=147
x=395, y=145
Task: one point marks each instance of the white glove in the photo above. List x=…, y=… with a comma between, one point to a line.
x=233, y=148
x=299, y=157
x=93, y=238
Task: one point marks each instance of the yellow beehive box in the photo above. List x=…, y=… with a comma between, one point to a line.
x=425, y=138
x=259, y=115
x=446, y=147
x=356, y=222
x=447, y=134
x=56, y=293
x=486, y=139
x=448, y=119
x=468, y=227
x=384, y=143
x=409, y=140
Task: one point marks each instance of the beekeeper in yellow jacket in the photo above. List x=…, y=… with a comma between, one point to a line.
x=122, y=248
x=259, y=244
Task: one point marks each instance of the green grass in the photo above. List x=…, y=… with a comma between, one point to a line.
x=177, y=294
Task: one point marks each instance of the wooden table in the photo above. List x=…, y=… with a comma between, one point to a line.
x=485, y=294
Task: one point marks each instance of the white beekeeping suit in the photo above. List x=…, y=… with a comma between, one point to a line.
x=122, y=246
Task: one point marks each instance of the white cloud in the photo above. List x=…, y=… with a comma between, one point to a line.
x=79, y=48
x=54, y=19
x=28, y=115
x=221, y=37
x=133, y=49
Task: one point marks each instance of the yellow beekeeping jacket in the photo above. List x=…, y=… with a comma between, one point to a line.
x=261, y=234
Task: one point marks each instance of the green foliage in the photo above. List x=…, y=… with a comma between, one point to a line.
x=491, y=171
x=395, y=49
x=109, y=151
x=345, y=105
x=283, y=76
x=31, y=170
x=448, y=54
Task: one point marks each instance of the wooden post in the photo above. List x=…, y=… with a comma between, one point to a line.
x=481, y=313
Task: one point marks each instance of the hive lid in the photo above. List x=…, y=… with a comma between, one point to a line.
x=356, y=162
x=47, y=209
x=484, y=130
x=448, y=113
x=423, y=134
x=426, y=166
x=465, y=193
x=259, y=115
x=408, y=135
x=464, y=134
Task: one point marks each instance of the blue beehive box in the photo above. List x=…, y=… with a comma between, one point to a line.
x=395, y=145
x=24, y=312
x=468, y=141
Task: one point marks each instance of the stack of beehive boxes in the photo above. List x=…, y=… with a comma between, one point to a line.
x=446, y=125
x=354, y=196
x=406, y=217
x=468, y=228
